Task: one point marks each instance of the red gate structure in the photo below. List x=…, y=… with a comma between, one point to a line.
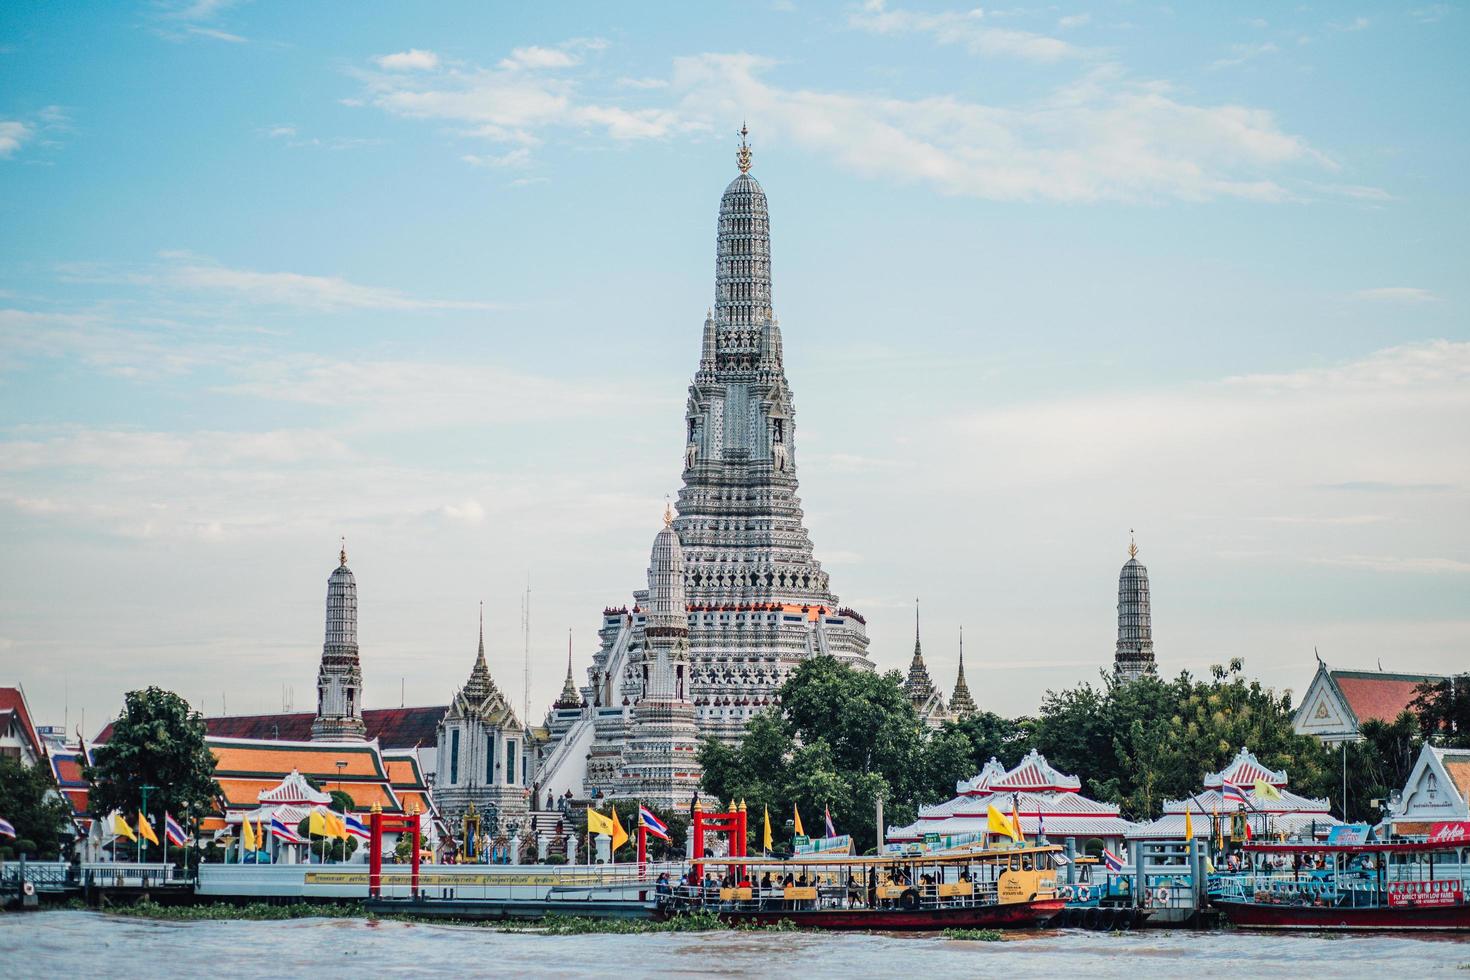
x=730, y=822
x=380, y=823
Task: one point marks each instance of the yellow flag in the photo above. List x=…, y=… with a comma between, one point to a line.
x=597, y=823
x=336, y=826
x=1265, y=791
x=247, y=835
x=998, y=823
x=316, y=824
x=619, y=835
x=766, y=838
x=146, y=829
x=799, y=831
x=120, y=827
x=1188, y=826
x=259, y=835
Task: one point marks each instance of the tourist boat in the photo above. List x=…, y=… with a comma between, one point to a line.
x=1013, y=888
x=1389, y=885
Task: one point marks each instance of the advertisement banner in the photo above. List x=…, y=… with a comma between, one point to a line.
x=1348, y=834
x=1450, y=832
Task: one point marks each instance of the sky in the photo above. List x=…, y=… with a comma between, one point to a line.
x=432, y=278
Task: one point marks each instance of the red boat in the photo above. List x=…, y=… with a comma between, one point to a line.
x=1389, y=885
x=983, y=889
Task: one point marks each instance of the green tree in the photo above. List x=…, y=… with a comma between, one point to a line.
x=993, y=737
x=29, y=800
x=1443, y=708
x=158, y=742
x=1379, y=764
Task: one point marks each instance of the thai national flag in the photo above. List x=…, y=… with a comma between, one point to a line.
x=173, y=831
x=831, y=830
x=1231, y=793
x=7, y=829
x=1111, y=861
x=356, y=828
x=652, y=824
x=284, y=833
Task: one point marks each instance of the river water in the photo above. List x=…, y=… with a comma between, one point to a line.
x=89, y=944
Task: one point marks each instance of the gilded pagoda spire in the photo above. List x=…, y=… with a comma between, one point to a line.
x=742, y=155
x=961, y=704
x=919, y=688
x=569, y=698
x=480, y=684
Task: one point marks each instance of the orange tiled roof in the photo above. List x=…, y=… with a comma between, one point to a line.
x=1460, y=773
x=414, y=798
x=1378, y=697
x=403, y=772
x=14, y=699
x=244, y=794
x=247, y=758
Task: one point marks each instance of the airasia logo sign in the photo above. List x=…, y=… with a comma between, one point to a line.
x=1456, y=832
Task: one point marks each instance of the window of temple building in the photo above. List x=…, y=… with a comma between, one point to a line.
x=510, y=762
x=454, y=758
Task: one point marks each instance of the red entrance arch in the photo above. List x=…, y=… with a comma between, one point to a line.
x=730, y=822
x=380, y=823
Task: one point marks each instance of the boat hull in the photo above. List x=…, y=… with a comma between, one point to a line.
x=1014, y=915
x=1250, y=915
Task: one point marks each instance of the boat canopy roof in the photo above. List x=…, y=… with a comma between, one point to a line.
x=1385, y=847
x=876, y=860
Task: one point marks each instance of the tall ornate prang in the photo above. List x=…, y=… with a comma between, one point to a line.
x=339, y=681
x=1134, y=656
x=756, y=601
x=660, y=761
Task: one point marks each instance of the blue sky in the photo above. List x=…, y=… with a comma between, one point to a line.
x=433, y=279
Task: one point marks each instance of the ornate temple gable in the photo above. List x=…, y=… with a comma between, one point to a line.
x=1338, y=702
x=1323, y=711
x=1438, y=788
x=1244, y=770
x=979, y=784
x=1034, y=773
x=295, y=789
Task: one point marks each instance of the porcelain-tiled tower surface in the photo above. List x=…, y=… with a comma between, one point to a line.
x=339, y=680
x=1134, y=656
x=757, y=601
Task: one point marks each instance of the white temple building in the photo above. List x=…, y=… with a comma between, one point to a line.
x=1277, y=808
x=1437, y=791
x=1048, y=802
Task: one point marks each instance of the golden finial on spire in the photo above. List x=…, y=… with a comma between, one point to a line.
x=342, y=555
x=1132, y=545
x=668, y=513
x=742, y=156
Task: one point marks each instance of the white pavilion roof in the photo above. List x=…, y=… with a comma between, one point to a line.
x=1244, y=770
x=294, y=789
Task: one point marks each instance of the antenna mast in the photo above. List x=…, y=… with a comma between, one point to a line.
x=526, y=653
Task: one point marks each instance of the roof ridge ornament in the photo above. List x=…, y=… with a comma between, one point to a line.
x=1132, y=545
x=742, y=155
x=342, y=555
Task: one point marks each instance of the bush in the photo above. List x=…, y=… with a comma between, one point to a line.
x=26, y=846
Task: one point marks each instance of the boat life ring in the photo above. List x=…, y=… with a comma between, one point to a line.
x=1161, y=896
x=909, y=900
x=28, y=888
x=1065, y=893
x=1084, y=893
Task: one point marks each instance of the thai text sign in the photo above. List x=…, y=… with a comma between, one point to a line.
x=1450, y=832
x=842, y=843
x=1348, y=834
x=1444, y=892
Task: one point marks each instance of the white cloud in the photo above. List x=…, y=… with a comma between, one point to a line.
x=1104, y=137
x=1241, y=53
x=410, y=60
x=185, y=272
x=1073, y=20
x=1421, y=566
x=215, y=34
x=1432, y=14
x=643, y=83
x=13, y=135
x=964, y=28
x=1396, y=294
x=1356, y=24
x=519, y=157
x=535, y=57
